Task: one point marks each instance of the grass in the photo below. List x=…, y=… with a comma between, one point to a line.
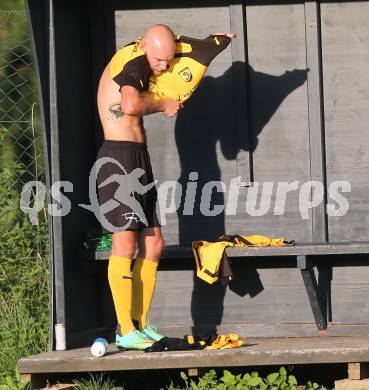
x=95, y=382
x=24, y=278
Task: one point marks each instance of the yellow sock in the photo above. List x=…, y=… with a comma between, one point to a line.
x=120, y=281
x=144, y=281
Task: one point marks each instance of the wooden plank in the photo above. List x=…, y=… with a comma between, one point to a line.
x=259, y=351
x=182, y=252
x=262, y=295
x=69, y=386
x=358, y=371
x=350, y=291
x=26, y=377
x=348, y=384
x=278, y=116
x=316, y=124
x=301, y=249
x=350, y=303
x=346, y=106
x=255, y=295
x=193, y=372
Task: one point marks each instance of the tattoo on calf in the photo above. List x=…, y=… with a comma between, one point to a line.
x=115, y=111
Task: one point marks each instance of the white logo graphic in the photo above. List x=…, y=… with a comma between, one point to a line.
x=129, y=184
x=259, y=197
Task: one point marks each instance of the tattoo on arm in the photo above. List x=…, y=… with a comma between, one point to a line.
x=115, y=112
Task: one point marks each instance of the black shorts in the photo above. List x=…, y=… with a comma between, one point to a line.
x=126, y=181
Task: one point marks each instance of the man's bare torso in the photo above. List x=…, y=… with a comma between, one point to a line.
x=116, y=125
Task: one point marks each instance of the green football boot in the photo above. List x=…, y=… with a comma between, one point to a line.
x=133, y=340
x=151, y=333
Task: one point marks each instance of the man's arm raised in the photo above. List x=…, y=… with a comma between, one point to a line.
x=133, y=103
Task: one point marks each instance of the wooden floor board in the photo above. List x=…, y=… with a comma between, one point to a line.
x=258, y=351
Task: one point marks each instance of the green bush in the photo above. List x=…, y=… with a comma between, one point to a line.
x=274, y=381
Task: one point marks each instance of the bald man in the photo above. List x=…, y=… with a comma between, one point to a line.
x=134, y=84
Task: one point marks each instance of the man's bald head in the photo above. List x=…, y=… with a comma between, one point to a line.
x=159, y=45
x=159, y=36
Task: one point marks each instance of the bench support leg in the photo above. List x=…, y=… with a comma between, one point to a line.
x=311, y=286
x=36, y=381
x=358, y=371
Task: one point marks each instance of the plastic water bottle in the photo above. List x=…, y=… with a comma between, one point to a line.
x=99, y=347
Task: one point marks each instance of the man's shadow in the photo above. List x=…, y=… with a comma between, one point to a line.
x=202, y=128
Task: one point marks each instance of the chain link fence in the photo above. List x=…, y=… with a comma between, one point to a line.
x=24, y=247
x=21, y=140
x=20, y=127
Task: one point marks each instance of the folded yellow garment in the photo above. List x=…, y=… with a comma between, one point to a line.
x=208, y=252
x=227, y=341
x=257, y=240
x=209, y=255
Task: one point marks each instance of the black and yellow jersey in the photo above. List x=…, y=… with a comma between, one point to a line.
x=129, y=66
x=191, y=59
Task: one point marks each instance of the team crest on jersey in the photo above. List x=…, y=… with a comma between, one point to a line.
x=186, y=74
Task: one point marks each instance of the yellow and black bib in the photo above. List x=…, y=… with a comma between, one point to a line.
x=191, y=59
x=129, y=66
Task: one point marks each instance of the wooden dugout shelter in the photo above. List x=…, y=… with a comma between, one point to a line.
x=287, y=101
